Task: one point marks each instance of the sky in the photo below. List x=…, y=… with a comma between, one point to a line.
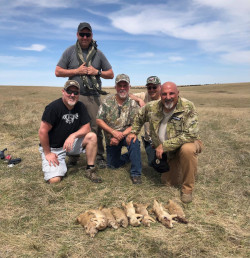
x=185, y=41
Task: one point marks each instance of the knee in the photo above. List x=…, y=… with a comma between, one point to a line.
x=91, y=137
x=54, y=180
x=188, y=149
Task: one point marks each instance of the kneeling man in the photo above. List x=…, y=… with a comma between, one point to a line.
x=64, y=130
x=173, y=123
x=115, y=117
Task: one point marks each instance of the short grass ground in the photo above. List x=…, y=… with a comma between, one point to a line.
x=38, y=219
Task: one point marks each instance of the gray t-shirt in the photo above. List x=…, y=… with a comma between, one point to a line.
x=69, y=60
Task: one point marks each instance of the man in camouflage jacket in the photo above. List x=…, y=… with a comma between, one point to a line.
x=174, y=129
x=115, y=116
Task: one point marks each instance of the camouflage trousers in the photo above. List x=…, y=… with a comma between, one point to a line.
x=183, y=167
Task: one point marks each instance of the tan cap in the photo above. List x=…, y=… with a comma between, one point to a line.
x=71, y=83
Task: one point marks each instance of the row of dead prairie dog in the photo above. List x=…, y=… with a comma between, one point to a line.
x=132, y=214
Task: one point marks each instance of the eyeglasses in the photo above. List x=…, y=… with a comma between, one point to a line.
x=74, y=92
x=151, y=87
x=87, y=34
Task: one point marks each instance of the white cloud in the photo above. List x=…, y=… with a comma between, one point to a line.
x=33, y=47
x=240, y=57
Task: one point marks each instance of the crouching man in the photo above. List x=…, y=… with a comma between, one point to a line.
x=173, y=123
x=115, y=117
x=64, y=130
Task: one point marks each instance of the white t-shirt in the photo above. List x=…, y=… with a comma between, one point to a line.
x=163, y=126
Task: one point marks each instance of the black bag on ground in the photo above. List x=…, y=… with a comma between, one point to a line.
x=161, y=165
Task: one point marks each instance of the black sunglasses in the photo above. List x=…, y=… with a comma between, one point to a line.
x=72, y=91
x=87, y=34
x=151, y=87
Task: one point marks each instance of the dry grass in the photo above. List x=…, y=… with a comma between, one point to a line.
x=38, y=220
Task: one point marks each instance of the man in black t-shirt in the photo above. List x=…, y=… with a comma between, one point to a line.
x=64, y=130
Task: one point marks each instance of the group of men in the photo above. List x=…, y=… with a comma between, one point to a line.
x=75, y=122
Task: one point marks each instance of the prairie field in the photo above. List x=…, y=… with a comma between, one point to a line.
x=38, y=219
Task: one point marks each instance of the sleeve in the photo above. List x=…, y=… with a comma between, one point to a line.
x=104, y=62
x=49, y=115
x=101, y=114
x=189, y=133
x=139, y=120
x=64, y=60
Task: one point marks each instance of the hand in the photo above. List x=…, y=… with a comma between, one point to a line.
x=69, y=142
x=52, y=158
x=82, y=69
x=131, y=137
x=118, y=135
x=159, y=151
x=92, y=71
x=114, y=141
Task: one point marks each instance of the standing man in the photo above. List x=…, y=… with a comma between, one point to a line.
x=115, y=117
x=65, y=128
x=86, y=64
x=174, y=129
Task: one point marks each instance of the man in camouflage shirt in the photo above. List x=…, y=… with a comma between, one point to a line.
x=174, y=129
x=115, y=116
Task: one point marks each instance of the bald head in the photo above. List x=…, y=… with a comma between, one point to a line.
x=169, y=96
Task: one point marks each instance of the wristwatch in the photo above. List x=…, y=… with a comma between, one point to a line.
x=99, y=72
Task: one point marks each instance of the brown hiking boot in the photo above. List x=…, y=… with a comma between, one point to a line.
x=186, y=198
x=91, y=174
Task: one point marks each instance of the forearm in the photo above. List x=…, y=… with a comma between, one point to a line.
x=109, y=74
x=127, y=131
x=61, y=72
x=104, y=126
x=44, y=141
x=82, y=131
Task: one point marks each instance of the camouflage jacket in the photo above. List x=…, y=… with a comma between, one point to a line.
x=182, y=126
x=116, y=116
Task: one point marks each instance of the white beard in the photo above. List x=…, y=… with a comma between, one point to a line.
x=123, y=94
x=169, y=105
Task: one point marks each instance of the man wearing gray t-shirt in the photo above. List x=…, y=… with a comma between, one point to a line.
x=86, y=64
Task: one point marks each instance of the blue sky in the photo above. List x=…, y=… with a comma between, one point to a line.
x=184, y=41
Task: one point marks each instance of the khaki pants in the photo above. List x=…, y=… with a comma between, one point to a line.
x=92, y=104
x=183, y=167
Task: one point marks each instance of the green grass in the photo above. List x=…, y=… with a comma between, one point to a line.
x=38, y=219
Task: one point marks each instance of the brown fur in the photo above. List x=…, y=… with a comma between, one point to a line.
x=85, y=219
x=142, y=209
x=99, y=218
x=134, y=218
x=163, y=216
x=175, y=208
x=120, y=217
x=111, y=219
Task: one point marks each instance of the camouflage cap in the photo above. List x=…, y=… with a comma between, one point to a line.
x=71, y=83
x=122, y=77
x=153, y=80
x=83, y=25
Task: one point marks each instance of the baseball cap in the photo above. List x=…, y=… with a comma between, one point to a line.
x=122, y=77
x=153, y=80
x=83, y=25
x=71, y=83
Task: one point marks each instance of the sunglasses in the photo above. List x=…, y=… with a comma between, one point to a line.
x=71, y=91
x=151, y=87
x=87, y=34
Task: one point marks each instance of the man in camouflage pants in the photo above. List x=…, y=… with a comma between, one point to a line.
x=115, y=116
x=174, y=129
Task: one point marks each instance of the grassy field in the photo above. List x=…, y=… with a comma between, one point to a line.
x=38, y=219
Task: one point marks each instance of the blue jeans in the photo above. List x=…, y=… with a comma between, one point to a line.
x=116, y=160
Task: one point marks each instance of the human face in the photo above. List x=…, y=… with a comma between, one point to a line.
x=70, y=99
x=169, y=96
x=122, y=89
x=84, y=41
x=154, y=91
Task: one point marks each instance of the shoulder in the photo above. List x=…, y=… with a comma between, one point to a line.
x=55, y=103
x=109, y=100
x=70, y=50
x=186, y=104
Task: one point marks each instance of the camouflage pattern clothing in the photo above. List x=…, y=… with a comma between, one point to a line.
x=117, y=117
x=182, y=126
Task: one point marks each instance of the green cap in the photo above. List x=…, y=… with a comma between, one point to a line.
x=71, y=83
x=153, y=80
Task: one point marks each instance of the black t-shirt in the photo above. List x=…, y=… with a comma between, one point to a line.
x=64, y=122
